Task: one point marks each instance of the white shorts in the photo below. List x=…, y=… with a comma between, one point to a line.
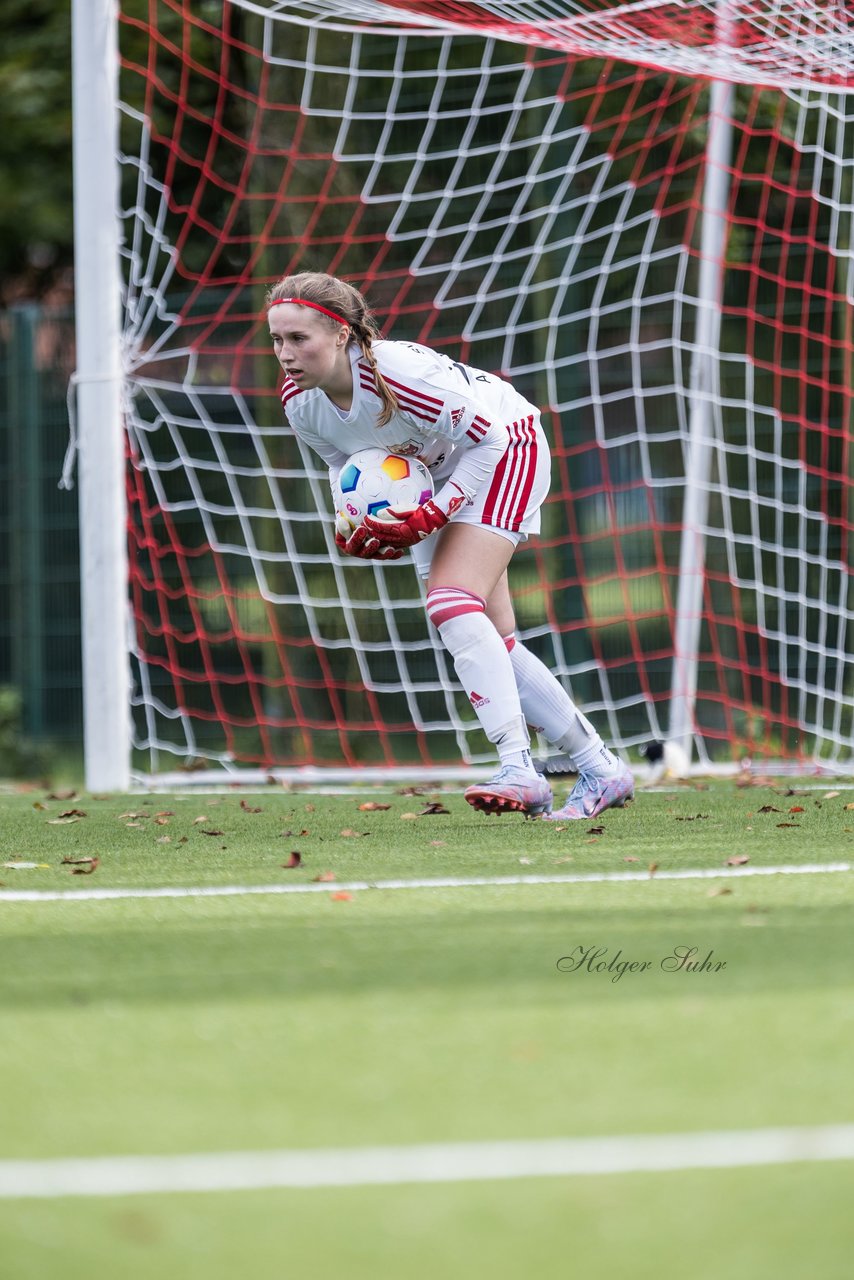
x=509, y=503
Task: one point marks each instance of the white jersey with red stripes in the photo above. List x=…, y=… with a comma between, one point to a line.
x=469, y=427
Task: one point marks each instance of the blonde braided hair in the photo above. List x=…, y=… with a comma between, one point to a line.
x=347, y=303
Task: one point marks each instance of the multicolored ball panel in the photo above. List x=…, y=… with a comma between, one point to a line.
x=349, y=478
x=396, y=468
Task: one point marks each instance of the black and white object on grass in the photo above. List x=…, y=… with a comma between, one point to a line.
x=665, y=760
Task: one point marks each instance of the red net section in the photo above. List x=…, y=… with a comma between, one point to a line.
x=540, y=215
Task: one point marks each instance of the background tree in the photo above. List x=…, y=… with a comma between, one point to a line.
x=35, y=147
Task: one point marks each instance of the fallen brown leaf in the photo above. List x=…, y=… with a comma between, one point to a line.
x=61, y=822
x=630, y=858
x=596, y=831
x=294, y=860
x=341, y=897
x=211, y=831
x=737, y=859
x=433, y=807
x=797, y=808
x=788, y=824
x=653, y=867
x=371, y=806
x=324, y=877
x=720, y=892
x=247, y=808
x=82, y=866
x=70, y=794
x=348, y=831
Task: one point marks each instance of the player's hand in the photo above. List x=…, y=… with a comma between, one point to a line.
x=409, y=528
x=365, y=546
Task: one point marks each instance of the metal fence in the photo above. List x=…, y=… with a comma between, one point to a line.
x=40, y=665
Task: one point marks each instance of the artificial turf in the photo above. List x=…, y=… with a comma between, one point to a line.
x=351, y=1018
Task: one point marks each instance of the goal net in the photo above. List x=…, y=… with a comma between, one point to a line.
x=639, y=213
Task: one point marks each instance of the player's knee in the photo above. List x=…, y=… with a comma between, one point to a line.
x=445, y=604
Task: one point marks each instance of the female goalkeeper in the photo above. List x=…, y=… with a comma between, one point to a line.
x=346, y=389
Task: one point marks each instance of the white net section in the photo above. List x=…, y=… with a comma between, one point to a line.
x=787, y=43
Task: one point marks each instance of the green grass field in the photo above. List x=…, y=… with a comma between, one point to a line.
x=340, y=1016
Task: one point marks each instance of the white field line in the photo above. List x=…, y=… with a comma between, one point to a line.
x=431, y=882
x=437, y=1163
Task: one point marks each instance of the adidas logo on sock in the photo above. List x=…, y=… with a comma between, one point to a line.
x=477, y=700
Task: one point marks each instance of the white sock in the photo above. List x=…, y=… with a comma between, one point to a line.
x=599, y=761
x=548, y=707
x=485, y=671
x=509, y=753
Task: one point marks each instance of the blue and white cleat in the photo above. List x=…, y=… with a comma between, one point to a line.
x=512, y=790
x=592, y=794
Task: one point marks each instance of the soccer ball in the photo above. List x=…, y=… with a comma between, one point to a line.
x=373, y=480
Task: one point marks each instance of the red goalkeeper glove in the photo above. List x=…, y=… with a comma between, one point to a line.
x=411, y=527
x=363, y=544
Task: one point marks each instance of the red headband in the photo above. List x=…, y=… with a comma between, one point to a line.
x=315, y=306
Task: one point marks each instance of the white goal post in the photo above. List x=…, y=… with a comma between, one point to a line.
x=99, y=383
x=641, y=213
